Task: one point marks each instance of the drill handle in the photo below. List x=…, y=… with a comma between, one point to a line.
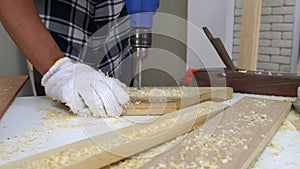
x=141, y=12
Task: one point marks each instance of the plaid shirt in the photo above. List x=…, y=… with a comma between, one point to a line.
x=73, y=22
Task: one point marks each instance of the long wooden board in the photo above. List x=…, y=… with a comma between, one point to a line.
x=110, y=147
x=233, y=139
x=248, y=51
x=9, y=88
x=176, y=98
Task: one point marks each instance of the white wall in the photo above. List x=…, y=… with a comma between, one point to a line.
x=168, y=52
x=12, y=61
x=296, y=39
x=218, y=16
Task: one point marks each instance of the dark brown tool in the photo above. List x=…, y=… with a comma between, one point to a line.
x=218, y=45
x=253, y=82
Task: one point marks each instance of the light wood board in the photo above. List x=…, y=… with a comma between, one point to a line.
x=9, y=88
x=232, y=139
x=248, y=51
x=113, y=146
x=183, y=97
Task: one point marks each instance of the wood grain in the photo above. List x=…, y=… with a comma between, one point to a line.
x=232, y=139
x=110, y=147
x=253, y=82
x=9, y=88
x=185, y=97
x=249, y=34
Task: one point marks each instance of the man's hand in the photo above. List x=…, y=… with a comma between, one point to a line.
x=85, y=90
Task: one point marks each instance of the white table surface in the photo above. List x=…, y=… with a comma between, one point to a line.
x=34, y=124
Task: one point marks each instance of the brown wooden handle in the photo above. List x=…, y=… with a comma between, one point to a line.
x=223, y=54
x=218, y=45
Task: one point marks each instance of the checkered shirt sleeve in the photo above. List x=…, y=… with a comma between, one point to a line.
x=72, y=23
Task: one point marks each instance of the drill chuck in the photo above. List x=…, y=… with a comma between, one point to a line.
x=140, y=41
x=141, y=19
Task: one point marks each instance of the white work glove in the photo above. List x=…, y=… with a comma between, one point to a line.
x=86, y=91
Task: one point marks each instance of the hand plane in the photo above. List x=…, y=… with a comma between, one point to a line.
x=244, y=81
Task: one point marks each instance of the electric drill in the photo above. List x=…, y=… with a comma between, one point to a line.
x=141, y=20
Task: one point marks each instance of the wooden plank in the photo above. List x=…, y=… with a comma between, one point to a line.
x=113, y=146
x=233, y=139
x=9, y=88
x=176, y=98
x=249, y=34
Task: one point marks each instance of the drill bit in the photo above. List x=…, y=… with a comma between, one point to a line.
x=140, y=54
x=140, y=74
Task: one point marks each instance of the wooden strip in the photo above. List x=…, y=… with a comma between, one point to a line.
x=9, y=88
x=182, y=97
x=233, y=139
x=110, y=147
x=176, y=93
x=156, y=105
x=249, y=34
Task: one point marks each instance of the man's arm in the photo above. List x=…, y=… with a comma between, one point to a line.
x=21, y=21
x=82, y=88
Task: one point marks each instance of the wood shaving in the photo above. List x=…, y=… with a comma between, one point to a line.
x=52, y=121
x=276, y=146
x=233, y=137
x=260, y=103
x=288, y=125
x=5, y=90
x=296, y=123
x=277, y=149
x=142, y=158
x=220, y=143
x=252, y=118
x=290, y=99
x=63, y=158
x=140, y=133
x=156, y=94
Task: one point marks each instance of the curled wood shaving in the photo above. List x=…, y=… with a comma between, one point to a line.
x=296, y=123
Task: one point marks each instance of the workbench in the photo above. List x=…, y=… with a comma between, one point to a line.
x=35, y=124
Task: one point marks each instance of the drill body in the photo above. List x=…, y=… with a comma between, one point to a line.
x=141, y=21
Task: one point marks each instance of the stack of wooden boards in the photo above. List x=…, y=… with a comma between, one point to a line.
x=231, y=139
x=113, y=146
x=162, y=100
